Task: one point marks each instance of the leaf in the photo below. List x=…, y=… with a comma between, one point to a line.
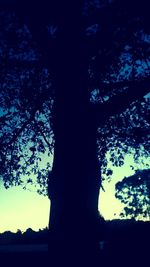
x=29, y=180
x=33, y=149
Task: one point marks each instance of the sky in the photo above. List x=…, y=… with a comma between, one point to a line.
x=22, y=209
x=109, y=206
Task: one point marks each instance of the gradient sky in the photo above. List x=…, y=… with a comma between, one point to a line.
x=22, y=209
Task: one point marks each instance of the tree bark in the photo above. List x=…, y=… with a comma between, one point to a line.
x=74, y=185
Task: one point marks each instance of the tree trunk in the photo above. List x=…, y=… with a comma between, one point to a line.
x=74, y=184
x=74, y=181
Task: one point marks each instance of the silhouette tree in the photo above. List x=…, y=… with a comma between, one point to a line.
x=75, y=82
x=134, y=192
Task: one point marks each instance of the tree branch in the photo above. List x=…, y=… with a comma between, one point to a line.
x=17, y=132
x=24, y=64
x=42, y=133
x=40, y=100
x=118, y=103
x=123, y=84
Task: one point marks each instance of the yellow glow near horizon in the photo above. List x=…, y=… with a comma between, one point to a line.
x=20, y=209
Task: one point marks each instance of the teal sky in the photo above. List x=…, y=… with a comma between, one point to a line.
x=21, y=209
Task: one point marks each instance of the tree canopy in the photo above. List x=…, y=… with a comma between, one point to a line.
x=115, y=37
x=134, y=192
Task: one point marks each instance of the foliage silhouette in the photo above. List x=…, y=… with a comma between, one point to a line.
x=73, y=84
x=134, y=192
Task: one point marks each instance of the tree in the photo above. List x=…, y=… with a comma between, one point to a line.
x=134, y=192
x=88, y=75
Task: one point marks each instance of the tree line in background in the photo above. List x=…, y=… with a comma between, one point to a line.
x=111, y=231
x=27, y=237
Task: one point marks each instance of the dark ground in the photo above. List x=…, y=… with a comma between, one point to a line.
x=32, y=255
x=116, y=255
